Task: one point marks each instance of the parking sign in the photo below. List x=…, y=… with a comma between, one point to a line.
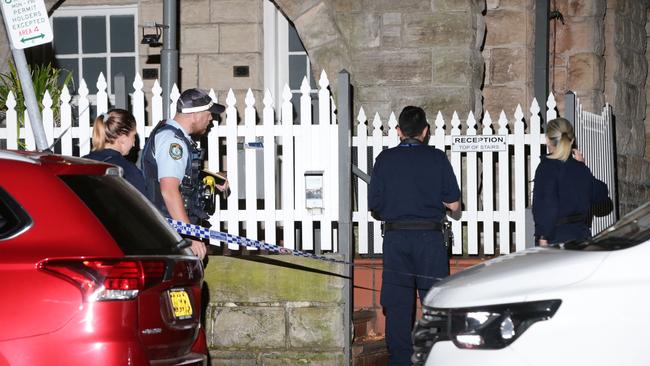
x=27, y=22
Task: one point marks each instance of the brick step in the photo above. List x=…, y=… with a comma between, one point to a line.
x=363, y=320
x=368, y=348
x=369, y=352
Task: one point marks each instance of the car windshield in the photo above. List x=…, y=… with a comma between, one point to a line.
x=131, y=220
x=631, y=230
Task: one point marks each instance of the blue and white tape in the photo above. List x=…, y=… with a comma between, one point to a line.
x=205, y=233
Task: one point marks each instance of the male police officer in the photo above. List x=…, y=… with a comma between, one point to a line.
x=410, y=187
x=171, y=161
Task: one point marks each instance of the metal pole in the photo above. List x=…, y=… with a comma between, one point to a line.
x=541, y=54
x=346, y=247
x=570, y=107
x=169, y=54
x=119, y=86
x=31, y=103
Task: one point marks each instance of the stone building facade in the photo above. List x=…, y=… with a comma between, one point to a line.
x=447, y=55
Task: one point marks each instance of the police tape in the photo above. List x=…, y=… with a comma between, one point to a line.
x=201, y=232
x=205, y=233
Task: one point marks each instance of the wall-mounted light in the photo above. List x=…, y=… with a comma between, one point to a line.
x=152, y=39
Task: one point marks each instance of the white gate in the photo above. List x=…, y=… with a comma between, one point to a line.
x=595, y=137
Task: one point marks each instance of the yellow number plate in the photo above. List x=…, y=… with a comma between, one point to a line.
x=181, y=304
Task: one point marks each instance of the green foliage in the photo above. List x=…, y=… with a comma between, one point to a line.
x=44, y=77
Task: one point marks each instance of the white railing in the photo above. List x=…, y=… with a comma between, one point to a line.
x=268, y=200
x=595, y=137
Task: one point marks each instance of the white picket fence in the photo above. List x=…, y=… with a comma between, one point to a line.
x=504, y=178
x=497, y=185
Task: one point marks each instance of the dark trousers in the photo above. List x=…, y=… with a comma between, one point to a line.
x=413, y=260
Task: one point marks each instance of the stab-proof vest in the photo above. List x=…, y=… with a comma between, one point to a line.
x=190, y=186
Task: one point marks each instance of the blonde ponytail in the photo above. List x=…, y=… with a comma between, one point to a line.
x=560, y=135
x=110, y=125
x=99, y=133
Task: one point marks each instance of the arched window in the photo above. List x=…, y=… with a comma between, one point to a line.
x=285, y=60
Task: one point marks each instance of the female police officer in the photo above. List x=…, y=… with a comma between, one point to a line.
x=410, y=188
x=565, y=189
x=113, y=138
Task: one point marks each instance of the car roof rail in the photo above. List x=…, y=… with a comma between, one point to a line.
x=12, y=155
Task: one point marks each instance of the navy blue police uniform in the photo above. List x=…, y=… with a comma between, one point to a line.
x=130, y=172
x=564, y=194
x=409, y=184
x=171, y=152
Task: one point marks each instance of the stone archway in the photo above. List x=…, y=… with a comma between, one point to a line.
x=315, y=22
x=417, y=52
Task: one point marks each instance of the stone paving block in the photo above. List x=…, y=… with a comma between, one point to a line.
x=315, y=327
x=500, y=25
x=194, y=11
x=199, y=39
x=235, y=11
x=273, y=278
x=437, y=29
x=233, y=358
x=317, y=26
x=303, y=358
x=586, y=72
x=240, y=38
x=248, y=327
x=508, y=65
x=405, y=67
x=216, y=71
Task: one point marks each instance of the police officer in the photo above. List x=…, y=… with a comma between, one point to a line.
x=565, y=190
x=410, y=188
x=172, y=162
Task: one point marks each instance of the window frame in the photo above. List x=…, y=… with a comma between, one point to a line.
x=24, y=221
x=98, y=11
x=276, y=56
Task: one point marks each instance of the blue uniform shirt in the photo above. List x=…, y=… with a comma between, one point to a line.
x=171, y=153
x=564, y=189
x=410, y=182
x=131, y=173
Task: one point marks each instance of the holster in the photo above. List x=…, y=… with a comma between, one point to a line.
x=447, y=235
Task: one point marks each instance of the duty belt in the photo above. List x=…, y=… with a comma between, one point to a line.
x=412, y=225
x=573, y=219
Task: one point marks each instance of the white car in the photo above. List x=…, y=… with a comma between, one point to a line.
x=579, y=303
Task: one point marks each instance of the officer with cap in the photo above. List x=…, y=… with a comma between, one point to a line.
x=411, y=186
x=172, y=161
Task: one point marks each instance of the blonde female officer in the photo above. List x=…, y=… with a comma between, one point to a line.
x=113, y=138
x=565, y=189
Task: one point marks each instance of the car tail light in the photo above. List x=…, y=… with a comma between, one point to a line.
x=108, y=279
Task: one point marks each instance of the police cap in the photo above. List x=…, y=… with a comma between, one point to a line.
x=197, y=100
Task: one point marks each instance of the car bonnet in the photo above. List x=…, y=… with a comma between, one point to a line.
x=513, y=277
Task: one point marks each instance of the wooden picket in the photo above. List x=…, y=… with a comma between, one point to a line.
x=279, y=152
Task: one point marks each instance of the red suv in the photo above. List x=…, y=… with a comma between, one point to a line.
x=90, y=273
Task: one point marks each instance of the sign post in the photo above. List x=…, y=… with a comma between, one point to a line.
x=27, y=25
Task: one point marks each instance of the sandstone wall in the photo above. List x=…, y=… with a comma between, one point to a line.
x=508, y=54
x=398, y=52
x=576, y=53
x=625, y=83
x=214, y=36
x=276, y=310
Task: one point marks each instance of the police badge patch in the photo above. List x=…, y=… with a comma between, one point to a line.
x=175, y=151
